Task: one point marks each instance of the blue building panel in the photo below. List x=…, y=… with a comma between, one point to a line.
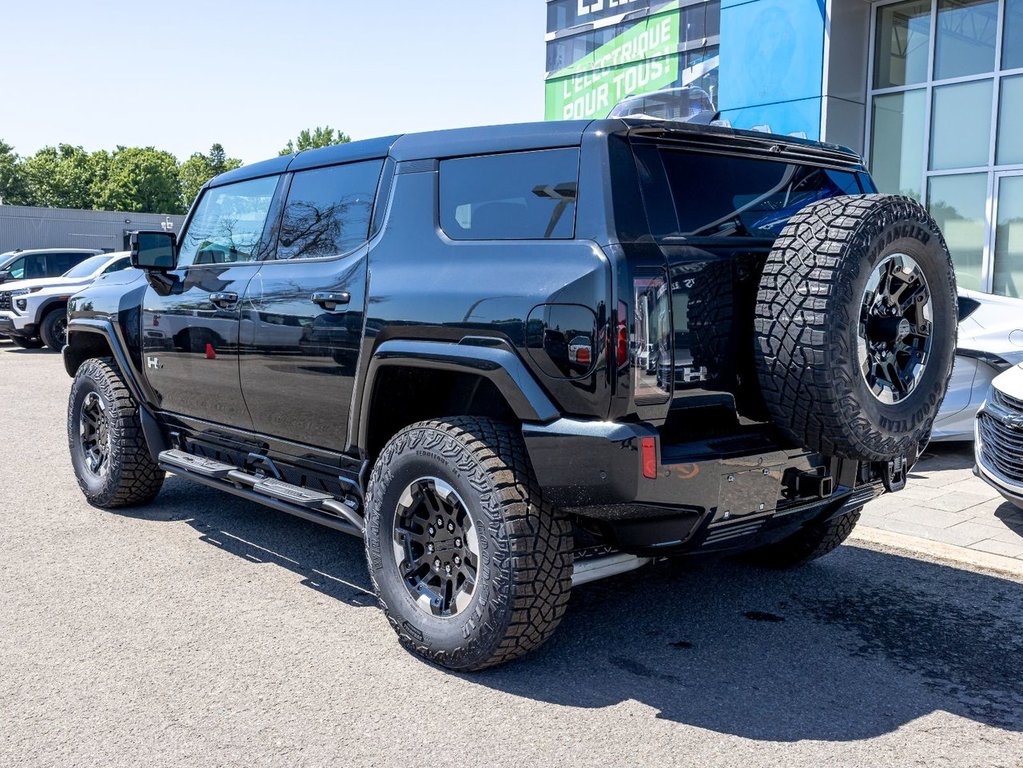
x=772, y=62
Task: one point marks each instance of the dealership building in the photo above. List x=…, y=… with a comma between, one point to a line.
x=929, y=91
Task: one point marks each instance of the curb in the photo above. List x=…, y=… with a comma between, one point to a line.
x=935, y=550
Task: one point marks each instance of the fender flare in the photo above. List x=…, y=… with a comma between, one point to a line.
x=140, y=390
x=487, y=357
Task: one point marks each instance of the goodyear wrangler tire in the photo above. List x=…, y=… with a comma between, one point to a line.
x=470, y=565
x=856, y=327
x=108, y=448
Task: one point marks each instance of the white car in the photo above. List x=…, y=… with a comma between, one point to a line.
x=990, y=341
x=34, y=312
x=999, y=436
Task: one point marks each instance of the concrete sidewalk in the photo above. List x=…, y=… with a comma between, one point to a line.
x=944, y=503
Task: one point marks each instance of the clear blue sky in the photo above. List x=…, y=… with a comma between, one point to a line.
x=183, y=74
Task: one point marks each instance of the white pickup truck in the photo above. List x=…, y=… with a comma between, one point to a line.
x=34, y=312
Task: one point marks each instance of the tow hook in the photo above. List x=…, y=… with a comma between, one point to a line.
x=893, y=474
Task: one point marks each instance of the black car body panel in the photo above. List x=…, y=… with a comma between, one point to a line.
x=316, y=361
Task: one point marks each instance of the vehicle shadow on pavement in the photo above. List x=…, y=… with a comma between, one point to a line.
x=941, y=456
x=328, y=561
x=851, y=647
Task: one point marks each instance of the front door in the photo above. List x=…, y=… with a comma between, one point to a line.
x=190, y=327
x=302, y=318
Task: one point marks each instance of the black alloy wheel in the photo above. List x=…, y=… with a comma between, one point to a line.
x=895, y=328
x=94, y=434
x=436, y=547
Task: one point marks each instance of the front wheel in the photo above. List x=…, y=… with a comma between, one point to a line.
x=108, y=449
x=471, y=566
x=53, y=329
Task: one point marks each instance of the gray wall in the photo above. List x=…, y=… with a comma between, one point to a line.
x=845, y=83
x=26, y=227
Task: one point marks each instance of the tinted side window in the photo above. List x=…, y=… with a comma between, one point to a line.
x=17, y=269
x=59, y=263
x=117, y=266
x=34, y=266
x=517, y=196
x=228, y=223
x=328, y=210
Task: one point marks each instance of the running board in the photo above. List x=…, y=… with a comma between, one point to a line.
x=594, y=569
x=316, y=506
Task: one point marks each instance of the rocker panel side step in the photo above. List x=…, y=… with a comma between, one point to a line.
x=306, y=503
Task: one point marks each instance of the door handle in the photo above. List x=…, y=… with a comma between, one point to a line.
x=332, y=300
x=224, y=299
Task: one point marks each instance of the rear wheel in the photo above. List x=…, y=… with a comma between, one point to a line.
x=53, y=329
x=809, y=543
x=471, y=566
x=108, y=449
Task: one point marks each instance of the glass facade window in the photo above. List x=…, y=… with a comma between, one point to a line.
x=945, y=106
x=902, y=44
x=602, y=52
x=961, y=126
x=967, y=34
x=1012, y=35
x=1010, y=132
x=1008, y=270
x=958, y=204
x=897, y=141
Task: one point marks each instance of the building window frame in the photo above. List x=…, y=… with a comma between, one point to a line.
x=991, y=168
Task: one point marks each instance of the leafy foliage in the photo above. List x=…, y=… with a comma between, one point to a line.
x=200, y=168
x=314, y=139
x=138, y=179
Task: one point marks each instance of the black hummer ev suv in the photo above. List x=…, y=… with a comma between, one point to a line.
x=514, y=359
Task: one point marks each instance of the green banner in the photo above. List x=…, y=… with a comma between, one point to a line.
x=640, y=60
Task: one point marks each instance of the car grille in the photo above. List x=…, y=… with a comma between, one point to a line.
x=1002, y=447
x=5, y=301
x=1004, y=400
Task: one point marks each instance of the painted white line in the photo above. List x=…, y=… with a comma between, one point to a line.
x=936, y=550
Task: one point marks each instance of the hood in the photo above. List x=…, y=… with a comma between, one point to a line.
x=41, y=283
x=1011, y=382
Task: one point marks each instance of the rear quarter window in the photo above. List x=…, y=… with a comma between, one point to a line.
x=514, y=196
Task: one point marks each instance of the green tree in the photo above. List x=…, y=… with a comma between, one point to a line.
x=141, y=179
x=60, y=177
x=200, y=168
x=317, y=137
x=12, y=180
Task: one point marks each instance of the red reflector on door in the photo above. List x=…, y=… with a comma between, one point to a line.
x=649, y=457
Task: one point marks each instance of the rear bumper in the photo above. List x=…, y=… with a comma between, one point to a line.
x=722, y=495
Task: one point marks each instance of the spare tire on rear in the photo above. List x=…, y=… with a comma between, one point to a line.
x=856, y=327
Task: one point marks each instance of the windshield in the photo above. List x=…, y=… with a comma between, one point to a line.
x=695, y=194
x=87, y=267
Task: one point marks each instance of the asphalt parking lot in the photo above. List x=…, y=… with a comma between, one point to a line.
x=204, y=630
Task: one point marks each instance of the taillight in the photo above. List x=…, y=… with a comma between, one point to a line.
x=649, y=458
x=583, y=356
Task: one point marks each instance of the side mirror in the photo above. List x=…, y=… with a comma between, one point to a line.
x=154, y=251
x=5, y=274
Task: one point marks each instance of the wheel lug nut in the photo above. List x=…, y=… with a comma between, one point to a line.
x=458, y=560
x=431, y=530
x=451, y=527
x=440, y=522
x=429, y=548
x=447, y=569
x=458, y=542
x=436, y=563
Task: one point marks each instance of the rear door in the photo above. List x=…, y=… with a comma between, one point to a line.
x=302, y=317
x=190, y=330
